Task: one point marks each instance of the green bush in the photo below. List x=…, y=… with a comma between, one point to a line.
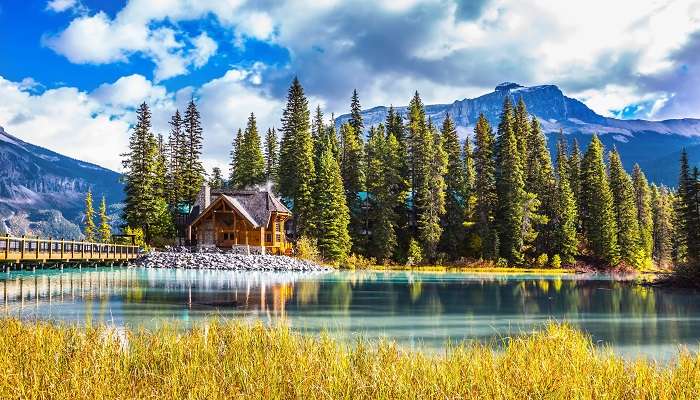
x=556, y=261
x=415, y=253
x=306, y=248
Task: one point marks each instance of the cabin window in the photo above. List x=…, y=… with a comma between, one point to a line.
x=278, y=237
x=268, y=237
x=229, y=235
x=277, y=226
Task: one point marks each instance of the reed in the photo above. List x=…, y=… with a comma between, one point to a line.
x=232, y=360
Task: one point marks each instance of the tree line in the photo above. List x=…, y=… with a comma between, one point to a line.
x=407, y=189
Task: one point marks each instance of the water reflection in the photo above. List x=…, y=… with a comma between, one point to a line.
x=413, y=308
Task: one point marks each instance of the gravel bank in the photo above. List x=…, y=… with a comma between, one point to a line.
x=225, y=261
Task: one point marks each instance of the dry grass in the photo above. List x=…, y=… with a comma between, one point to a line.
x=228, y=360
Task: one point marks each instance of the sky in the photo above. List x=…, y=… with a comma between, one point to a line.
x=73, y=71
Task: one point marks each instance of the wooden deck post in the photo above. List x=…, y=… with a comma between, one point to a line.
x=37, y=248
x=21, y=248
x=50, y=248
x=7, y=248
x=262, y=240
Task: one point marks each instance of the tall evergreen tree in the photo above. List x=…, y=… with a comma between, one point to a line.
x=510, y=188
x=234, y=179
x=193, y=170
x=485, y=188
x=89, y=230
x=522, y=130
x=140, y=185
x=216, y=180
x=271, y=155
x=682, y=210
x=395, y=128
x=431, y=166
x=386, y=191
x=104, y=229
x=663, y=225
x=415, y=131
x=642, y=196
x=176, y=153
x=597, y=206
x=564, y=217
x=250, y=164
x=456, y=196
x=692, y=224
x=541, y=182
x=575, y=174
x=296, y=165
x=625, y=213
x=161, y=169
x=333, y=217
x=352, y=172
x=318, y=134
x=355, y=120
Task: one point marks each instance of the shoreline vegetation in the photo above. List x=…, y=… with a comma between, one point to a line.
x=410, y=190
x=233, y=360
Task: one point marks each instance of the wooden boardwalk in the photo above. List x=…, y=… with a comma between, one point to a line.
x=14, y=250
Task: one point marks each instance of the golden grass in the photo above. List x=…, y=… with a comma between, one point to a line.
x=228, y=360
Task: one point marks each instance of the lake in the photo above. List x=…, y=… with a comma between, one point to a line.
x=416, y=309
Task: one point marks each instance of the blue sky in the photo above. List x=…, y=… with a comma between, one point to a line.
x=73, y=70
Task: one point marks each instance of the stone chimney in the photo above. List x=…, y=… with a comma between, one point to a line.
x=206, y=190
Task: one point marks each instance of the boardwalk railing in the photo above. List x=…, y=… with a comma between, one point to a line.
x=13, y=249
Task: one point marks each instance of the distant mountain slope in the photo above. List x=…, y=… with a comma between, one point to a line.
x=43, y=192
x=652, y=144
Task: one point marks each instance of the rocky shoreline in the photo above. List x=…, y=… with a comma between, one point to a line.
x=225, y=261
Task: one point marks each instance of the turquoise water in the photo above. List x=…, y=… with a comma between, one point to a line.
x=415, y=309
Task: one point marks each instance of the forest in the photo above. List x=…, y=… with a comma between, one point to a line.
x=409, y=192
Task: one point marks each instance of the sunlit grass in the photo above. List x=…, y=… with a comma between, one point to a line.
x=229, y=360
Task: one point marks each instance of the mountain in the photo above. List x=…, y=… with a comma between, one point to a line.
x=655, y=145
x=42, y=192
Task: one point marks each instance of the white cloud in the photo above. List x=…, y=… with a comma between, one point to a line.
x=205, y=47
x=97, y=39
x=95, y=126
x=61, y=5
x=66, y=120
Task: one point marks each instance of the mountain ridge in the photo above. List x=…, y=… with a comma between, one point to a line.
x=639, y=141
x=42, y=192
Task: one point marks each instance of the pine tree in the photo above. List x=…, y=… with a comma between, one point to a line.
x=271, y=155
x=176, y=141
x=352, y=172
x=296, y=165
x=355, y=120
x=456, y=196
x=431, y=166
x=540, y=181
x=565, y=215
x=216, y=180
x=645, y=221
x=597, y=206
x=625, y=213
x=510, y=188
x=575, y=175
x=161, y=170
x=250, y=164
x=485, y=188
x=523, y=134
x=234, y=179
x=663, y=225
x=318, y=134
x=692, y=224
x=193, y=170
x=682, y=210
x=331, y=230
x=140, y=174
x=383, y=183
x=104, y=229
x=415, y=130
x=402, y=182
x=89, y=230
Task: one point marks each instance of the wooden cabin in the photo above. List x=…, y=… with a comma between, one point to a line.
x=248, y=221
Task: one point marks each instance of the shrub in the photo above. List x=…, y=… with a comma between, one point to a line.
x=556, y=261
x=306, y=248
x=415, y=253
x=542, y=260
x=357, y=261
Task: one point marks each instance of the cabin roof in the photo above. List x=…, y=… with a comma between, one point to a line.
x=255, y=206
